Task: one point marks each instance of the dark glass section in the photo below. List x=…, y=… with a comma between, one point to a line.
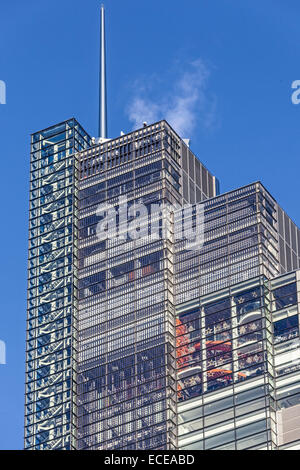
x=285, y=296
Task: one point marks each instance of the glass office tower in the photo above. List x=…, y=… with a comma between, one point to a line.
x=134, y=342
x=50, y=395
x=126, y=336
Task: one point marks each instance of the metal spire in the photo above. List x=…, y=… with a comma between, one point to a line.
x=102, y=85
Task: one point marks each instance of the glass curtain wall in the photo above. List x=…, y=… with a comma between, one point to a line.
x=50, y=413
x=225, y=378
x=126, y=363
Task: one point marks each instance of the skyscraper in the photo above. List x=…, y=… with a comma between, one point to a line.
x=138, y=339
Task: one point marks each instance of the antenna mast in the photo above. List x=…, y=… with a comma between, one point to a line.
x=102, y=85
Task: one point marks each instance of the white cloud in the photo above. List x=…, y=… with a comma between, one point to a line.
x=141, y=109
x=186, y=104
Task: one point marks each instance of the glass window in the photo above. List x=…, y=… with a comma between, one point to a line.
x=191, y=414
x=220, y=439
x=247, y=302
x=289, y=401
x=250, y=407
x=286, y=329
x=252, y=441
x=253, y=428
x=218, y=405
x=285, y=296
x=218, y=312
x=219, y=417
x=120, y=179
x=148, y=168
x=148, y=179
x=195, y=446
x=249, y=395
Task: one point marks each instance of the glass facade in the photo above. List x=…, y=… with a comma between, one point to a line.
x=225, y=375
x=50, y=396
x=240, y=242
x=285, y=307
x=144, y=343
x=127, y=382
x=238, y=362
x=126, y=356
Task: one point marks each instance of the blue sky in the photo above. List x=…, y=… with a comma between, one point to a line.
x=227, y=64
